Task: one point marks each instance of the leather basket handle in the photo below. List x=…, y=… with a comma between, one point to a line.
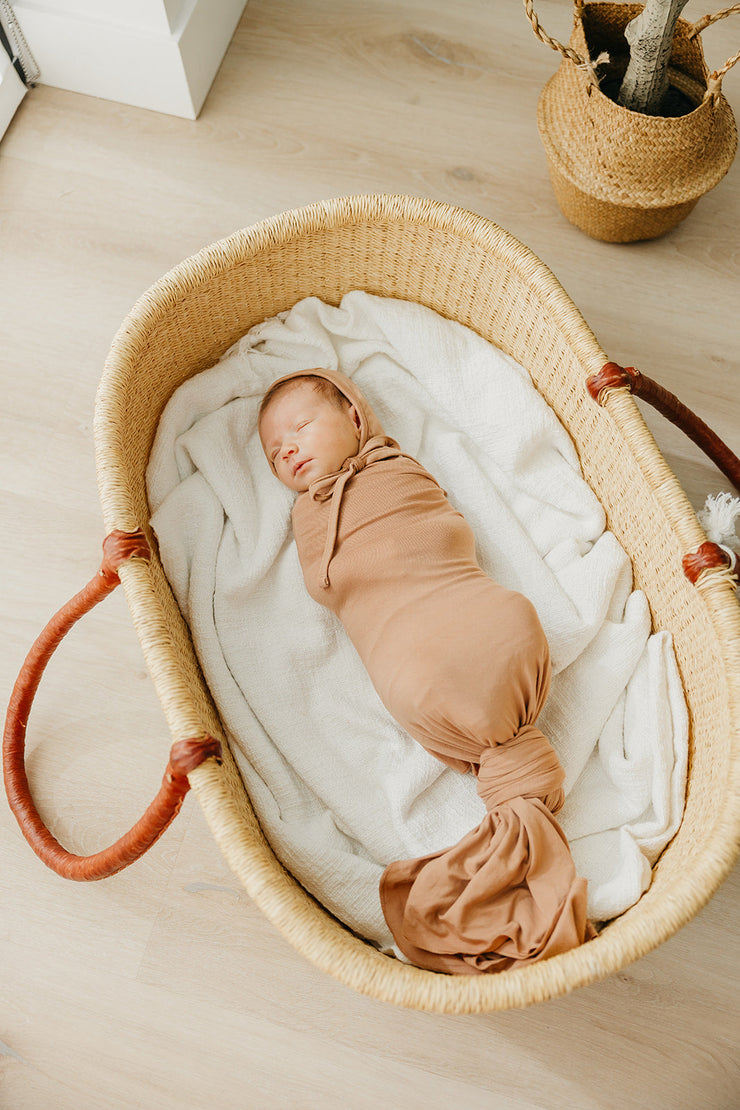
x=185, y=755
x=614, y=377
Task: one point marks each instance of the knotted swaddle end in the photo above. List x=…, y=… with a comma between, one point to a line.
x=508, y=892
x=526, y=766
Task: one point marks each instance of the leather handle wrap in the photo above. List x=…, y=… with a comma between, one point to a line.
x=184, y=756
x=611, y=377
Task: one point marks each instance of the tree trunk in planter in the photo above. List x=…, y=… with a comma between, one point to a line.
x=650, y=36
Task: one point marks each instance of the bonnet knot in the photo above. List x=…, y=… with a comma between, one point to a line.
x=323, y=488
x=356, y=463
x=332, y=486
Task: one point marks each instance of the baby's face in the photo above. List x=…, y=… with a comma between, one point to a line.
x=305, y=436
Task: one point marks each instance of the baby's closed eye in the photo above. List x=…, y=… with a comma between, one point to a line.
x=273, y=454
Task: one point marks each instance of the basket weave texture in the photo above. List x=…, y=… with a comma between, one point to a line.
x=469, y=270
x=617, y=174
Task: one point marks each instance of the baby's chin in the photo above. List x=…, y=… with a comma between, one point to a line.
x=308, y=473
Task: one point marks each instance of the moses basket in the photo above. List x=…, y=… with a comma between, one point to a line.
x=469, y=270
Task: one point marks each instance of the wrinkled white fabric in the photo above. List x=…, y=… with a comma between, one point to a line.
x=340, y=790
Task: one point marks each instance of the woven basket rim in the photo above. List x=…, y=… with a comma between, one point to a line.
x=349, y=210
x=326, y=943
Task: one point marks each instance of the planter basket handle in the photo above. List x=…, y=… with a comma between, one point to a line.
x=566, y=51
x=185, y=755
x=714, y=80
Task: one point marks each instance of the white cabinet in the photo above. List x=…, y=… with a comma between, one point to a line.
x=157, y=54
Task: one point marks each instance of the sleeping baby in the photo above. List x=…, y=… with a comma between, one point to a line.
x=460, y=662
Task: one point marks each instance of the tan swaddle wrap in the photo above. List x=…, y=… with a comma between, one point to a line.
x=463, y=665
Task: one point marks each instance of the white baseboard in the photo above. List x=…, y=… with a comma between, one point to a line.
x=166, y=64
x=12, y=91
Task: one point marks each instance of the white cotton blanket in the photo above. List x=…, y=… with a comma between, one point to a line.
x=339, y=789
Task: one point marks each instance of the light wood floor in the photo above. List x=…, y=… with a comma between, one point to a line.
x=164, y=987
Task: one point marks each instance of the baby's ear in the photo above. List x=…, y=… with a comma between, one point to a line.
x=355, y=416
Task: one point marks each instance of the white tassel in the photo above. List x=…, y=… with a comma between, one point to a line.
x=718, y=517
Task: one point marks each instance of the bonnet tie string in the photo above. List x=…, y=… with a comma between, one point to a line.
x=333, y=486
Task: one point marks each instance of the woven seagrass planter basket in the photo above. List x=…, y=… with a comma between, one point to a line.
x=617, y=174
x=469, y=270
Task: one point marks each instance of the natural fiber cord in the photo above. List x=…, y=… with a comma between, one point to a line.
x=466, y=269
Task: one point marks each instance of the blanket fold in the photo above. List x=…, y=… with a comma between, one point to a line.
x=464, y=666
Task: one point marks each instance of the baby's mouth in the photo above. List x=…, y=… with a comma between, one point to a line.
x=300, y=467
